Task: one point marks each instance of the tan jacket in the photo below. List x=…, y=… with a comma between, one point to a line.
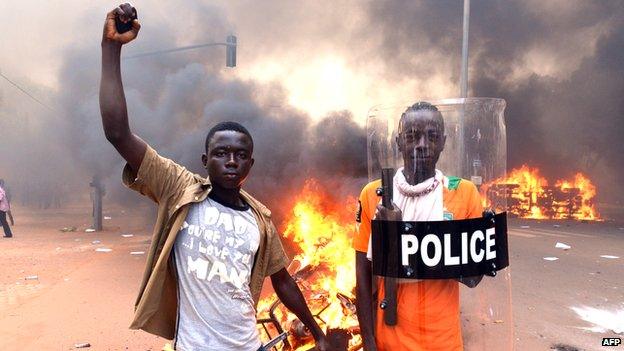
x=175, y=188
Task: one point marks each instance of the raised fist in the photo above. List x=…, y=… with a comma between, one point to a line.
x=124, y=14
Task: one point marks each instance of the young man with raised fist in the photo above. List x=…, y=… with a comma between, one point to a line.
x=213, y=243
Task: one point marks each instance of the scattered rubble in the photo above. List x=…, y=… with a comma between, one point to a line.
x=562, y=246
x=603, y=321
x=564, y=347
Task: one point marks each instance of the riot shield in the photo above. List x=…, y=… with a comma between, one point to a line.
x=442, y=269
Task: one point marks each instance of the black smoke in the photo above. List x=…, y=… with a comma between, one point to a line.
x=558, y=64
x=563, y=121
x=173, y=101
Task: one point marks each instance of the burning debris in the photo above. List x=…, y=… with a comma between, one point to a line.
x=528, y=195
x=322, y=232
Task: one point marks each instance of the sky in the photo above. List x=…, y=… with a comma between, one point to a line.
x=307, y=75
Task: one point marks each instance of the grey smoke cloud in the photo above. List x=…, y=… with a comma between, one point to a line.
x=173, y=101
x=569, y=122
x=558, y=65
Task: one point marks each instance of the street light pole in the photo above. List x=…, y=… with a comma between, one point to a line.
x=230, y=51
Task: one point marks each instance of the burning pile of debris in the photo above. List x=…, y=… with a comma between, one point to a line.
x=322, y=230
x=528, y=195
x=326, y=275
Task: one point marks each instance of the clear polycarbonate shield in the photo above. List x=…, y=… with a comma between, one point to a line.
x=450, y=288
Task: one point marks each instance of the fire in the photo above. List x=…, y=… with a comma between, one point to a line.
x=324, y=267
x=587, y=191
x=528, y=195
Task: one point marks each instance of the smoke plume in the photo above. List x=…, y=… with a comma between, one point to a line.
x=558, y=65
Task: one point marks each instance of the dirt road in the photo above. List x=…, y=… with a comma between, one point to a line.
x=82, y=295
x=79, y=295
x=546, y=293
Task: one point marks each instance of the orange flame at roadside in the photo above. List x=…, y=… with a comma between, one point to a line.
x=324, y=239
x=587, y=191
x=322, y=230
x=528, y=195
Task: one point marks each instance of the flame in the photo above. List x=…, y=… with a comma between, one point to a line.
x=587, y=193
x=528, y=195
x=322, y=230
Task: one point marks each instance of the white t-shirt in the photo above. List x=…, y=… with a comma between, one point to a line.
x=214, y=255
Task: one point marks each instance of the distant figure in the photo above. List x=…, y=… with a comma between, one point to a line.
x=96, y=197
x=5, y=208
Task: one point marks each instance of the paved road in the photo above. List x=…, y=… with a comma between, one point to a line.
x=544, y=292
x=83, y=295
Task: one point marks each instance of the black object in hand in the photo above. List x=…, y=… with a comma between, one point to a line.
x=124, y=27
x=387, y=176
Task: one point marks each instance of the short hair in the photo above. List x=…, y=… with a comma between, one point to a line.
x=420, y=106
x=229, y=125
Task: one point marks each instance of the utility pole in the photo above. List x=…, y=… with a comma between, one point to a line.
x=464, y=63
x=463, y=84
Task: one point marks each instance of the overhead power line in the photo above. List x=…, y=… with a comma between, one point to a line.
x=25, y=92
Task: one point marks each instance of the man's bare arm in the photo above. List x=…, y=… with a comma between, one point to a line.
x=290, y=295
x=364, y=300
x=112, y=98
